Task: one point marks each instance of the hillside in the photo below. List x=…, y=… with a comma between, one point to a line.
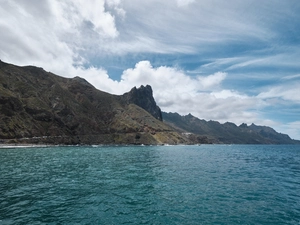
x=228, y=133
x=40, y=107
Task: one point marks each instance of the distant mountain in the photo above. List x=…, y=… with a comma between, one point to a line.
x=228, y=133
x=40, y=107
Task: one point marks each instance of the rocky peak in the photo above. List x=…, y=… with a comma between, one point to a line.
x=143, y=97
x=243, y=125
x=81, y=81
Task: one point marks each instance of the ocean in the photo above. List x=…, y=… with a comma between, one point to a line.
x=206, y=184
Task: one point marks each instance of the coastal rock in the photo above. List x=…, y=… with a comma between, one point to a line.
x=143, y=97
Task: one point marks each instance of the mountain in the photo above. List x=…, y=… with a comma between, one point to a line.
x=143, y=97
x=40, y=107
x=228, y=133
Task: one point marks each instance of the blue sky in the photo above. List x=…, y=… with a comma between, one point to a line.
x=232, y=60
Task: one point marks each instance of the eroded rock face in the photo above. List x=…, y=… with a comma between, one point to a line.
x=143, y=97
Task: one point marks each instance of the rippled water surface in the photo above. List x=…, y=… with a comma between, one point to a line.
x=207, y=184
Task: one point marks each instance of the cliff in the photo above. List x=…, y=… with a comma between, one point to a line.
x=143, y=97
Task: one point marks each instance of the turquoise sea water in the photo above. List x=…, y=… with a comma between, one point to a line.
x=207, y=184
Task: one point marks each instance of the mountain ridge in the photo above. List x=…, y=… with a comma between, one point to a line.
x=40, y=107
x=227, y=133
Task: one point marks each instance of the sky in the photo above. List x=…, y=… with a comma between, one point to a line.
x=236, y=61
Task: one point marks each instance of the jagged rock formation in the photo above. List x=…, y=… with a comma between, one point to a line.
x=40, y=107
x=228, y=133
x=143, y=97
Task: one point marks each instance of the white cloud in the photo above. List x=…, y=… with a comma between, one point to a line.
x=116, y=5
x=184, y=2
x=288, y=58
x=225, y=94
x=285, y=91
x=74, y=13
x=94, y=12
x=212, y=80
x=160, y=77
x=53, y=34
x=173, y=78
x=24, y=41
x=291, y=77
x=90, y=27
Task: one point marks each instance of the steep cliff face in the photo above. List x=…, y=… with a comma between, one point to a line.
x=143, y=97
x=37, y=106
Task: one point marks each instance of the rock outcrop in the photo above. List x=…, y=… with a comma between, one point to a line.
x=143, y=97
